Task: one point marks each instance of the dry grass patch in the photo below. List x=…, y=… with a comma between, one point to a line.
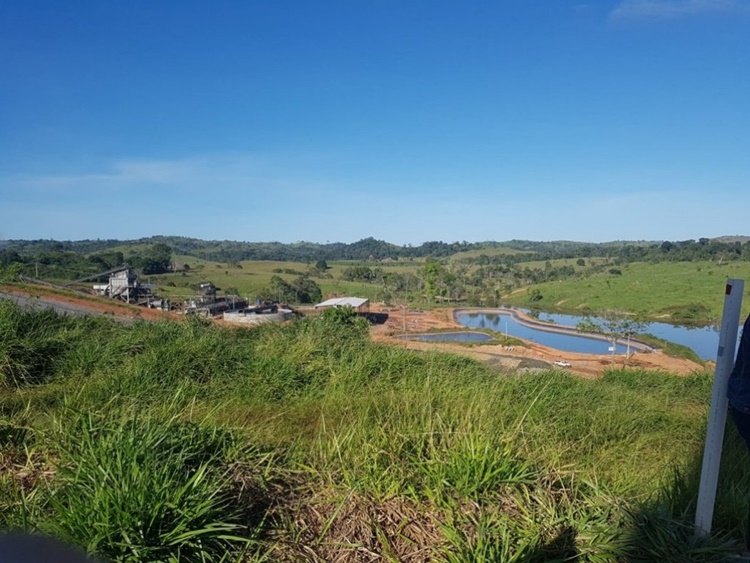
x=328, y=525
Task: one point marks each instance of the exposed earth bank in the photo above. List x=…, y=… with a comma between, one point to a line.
x=37, y=298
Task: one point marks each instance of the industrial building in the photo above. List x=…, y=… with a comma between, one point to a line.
x=209, y=304
x=123, y=284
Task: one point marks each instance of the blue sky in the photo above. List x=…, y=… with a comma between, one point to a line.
x=404, y=120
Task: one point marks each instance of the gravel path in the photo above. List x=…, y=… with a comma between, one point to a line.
x=38, y=303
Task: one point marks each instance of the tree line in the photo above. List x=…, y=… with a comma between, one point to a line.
x=375, y=250
x=56, y=262
x=672, y=251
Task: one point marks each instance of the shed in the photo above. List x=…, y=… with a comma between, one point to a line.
x=359, y=304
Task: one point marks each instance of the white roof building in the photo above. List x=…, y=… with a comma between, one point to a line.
x=357, y=303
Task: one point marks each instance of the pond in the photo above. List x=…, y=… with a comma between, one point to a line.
x=703, y=340
x=504, y=323
x=450, y=337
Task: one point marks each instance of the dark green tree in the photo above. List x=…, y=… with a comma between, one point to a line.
x=614, y=325
x=301, y=290
x=158, y=259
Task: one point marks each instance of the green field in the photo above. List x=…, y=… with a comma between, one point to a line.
x=253, y=276
x=565, y=262
x=676, y=291
x=657, y=291
x=186, y=441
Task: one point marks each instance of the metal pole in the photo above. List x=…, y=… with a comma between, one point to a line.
x=403, y=311
x=730, y=322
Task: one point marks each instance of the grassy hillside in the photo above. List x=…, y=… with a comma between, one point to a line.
x=309, y=442
x=666, y=289
x=249, y=277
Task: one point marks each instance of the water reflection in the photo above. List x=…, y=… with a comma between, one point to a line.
x=507, y=324
x=703, y=340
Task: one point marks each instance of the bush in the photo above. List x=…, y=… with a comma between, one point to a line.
x=31, y=344
x=143, y=490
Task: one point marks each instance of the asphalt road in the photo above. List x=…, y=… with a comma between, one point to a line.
x=36, y=303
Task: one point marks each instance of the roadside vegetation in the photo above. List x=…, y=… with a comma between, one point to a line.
x=308, y=442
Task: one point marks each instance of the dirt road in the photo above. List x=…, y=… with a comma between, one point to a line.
x=81, y=306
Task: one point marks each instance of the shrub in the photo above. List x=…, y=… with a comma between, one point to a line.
x=143, y=490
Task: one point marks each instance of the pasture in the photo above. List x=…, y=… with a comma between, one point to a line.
x=248, y=277
x=657, y=291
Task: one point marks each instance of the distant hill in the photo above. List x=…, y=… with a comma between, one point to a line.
x=64, y=252
x=228, y=251
x=742, y=239
x=365, y=249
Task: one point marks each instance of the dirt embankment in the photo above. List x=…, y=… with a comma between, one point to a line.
x=70, y=304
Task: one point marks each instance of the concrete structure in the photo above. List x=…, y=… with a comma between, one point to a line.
x=123, y=284
x=251, y=317
x=210, y=306
x=359, y=304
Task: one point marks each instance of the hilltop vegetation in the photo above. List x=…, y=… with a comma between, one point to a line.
x=309, y=442
x=371, y=248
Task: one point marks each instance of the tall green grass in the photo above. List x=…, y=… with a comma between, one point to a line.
x=133, y=488
x=194, y=442
x=141, y=489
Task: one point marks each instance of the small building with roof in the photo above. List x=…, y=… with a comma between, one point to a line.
x=359, y=304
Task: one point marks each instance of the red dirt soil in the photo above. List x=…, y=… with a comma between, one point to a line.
x=94, y=304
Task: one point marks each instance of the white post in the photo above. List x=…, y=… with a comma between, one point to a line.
x=730, y=322
x=627, y=354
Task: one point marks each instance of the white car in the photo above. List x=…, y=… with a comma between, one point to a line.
x=563, y=364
